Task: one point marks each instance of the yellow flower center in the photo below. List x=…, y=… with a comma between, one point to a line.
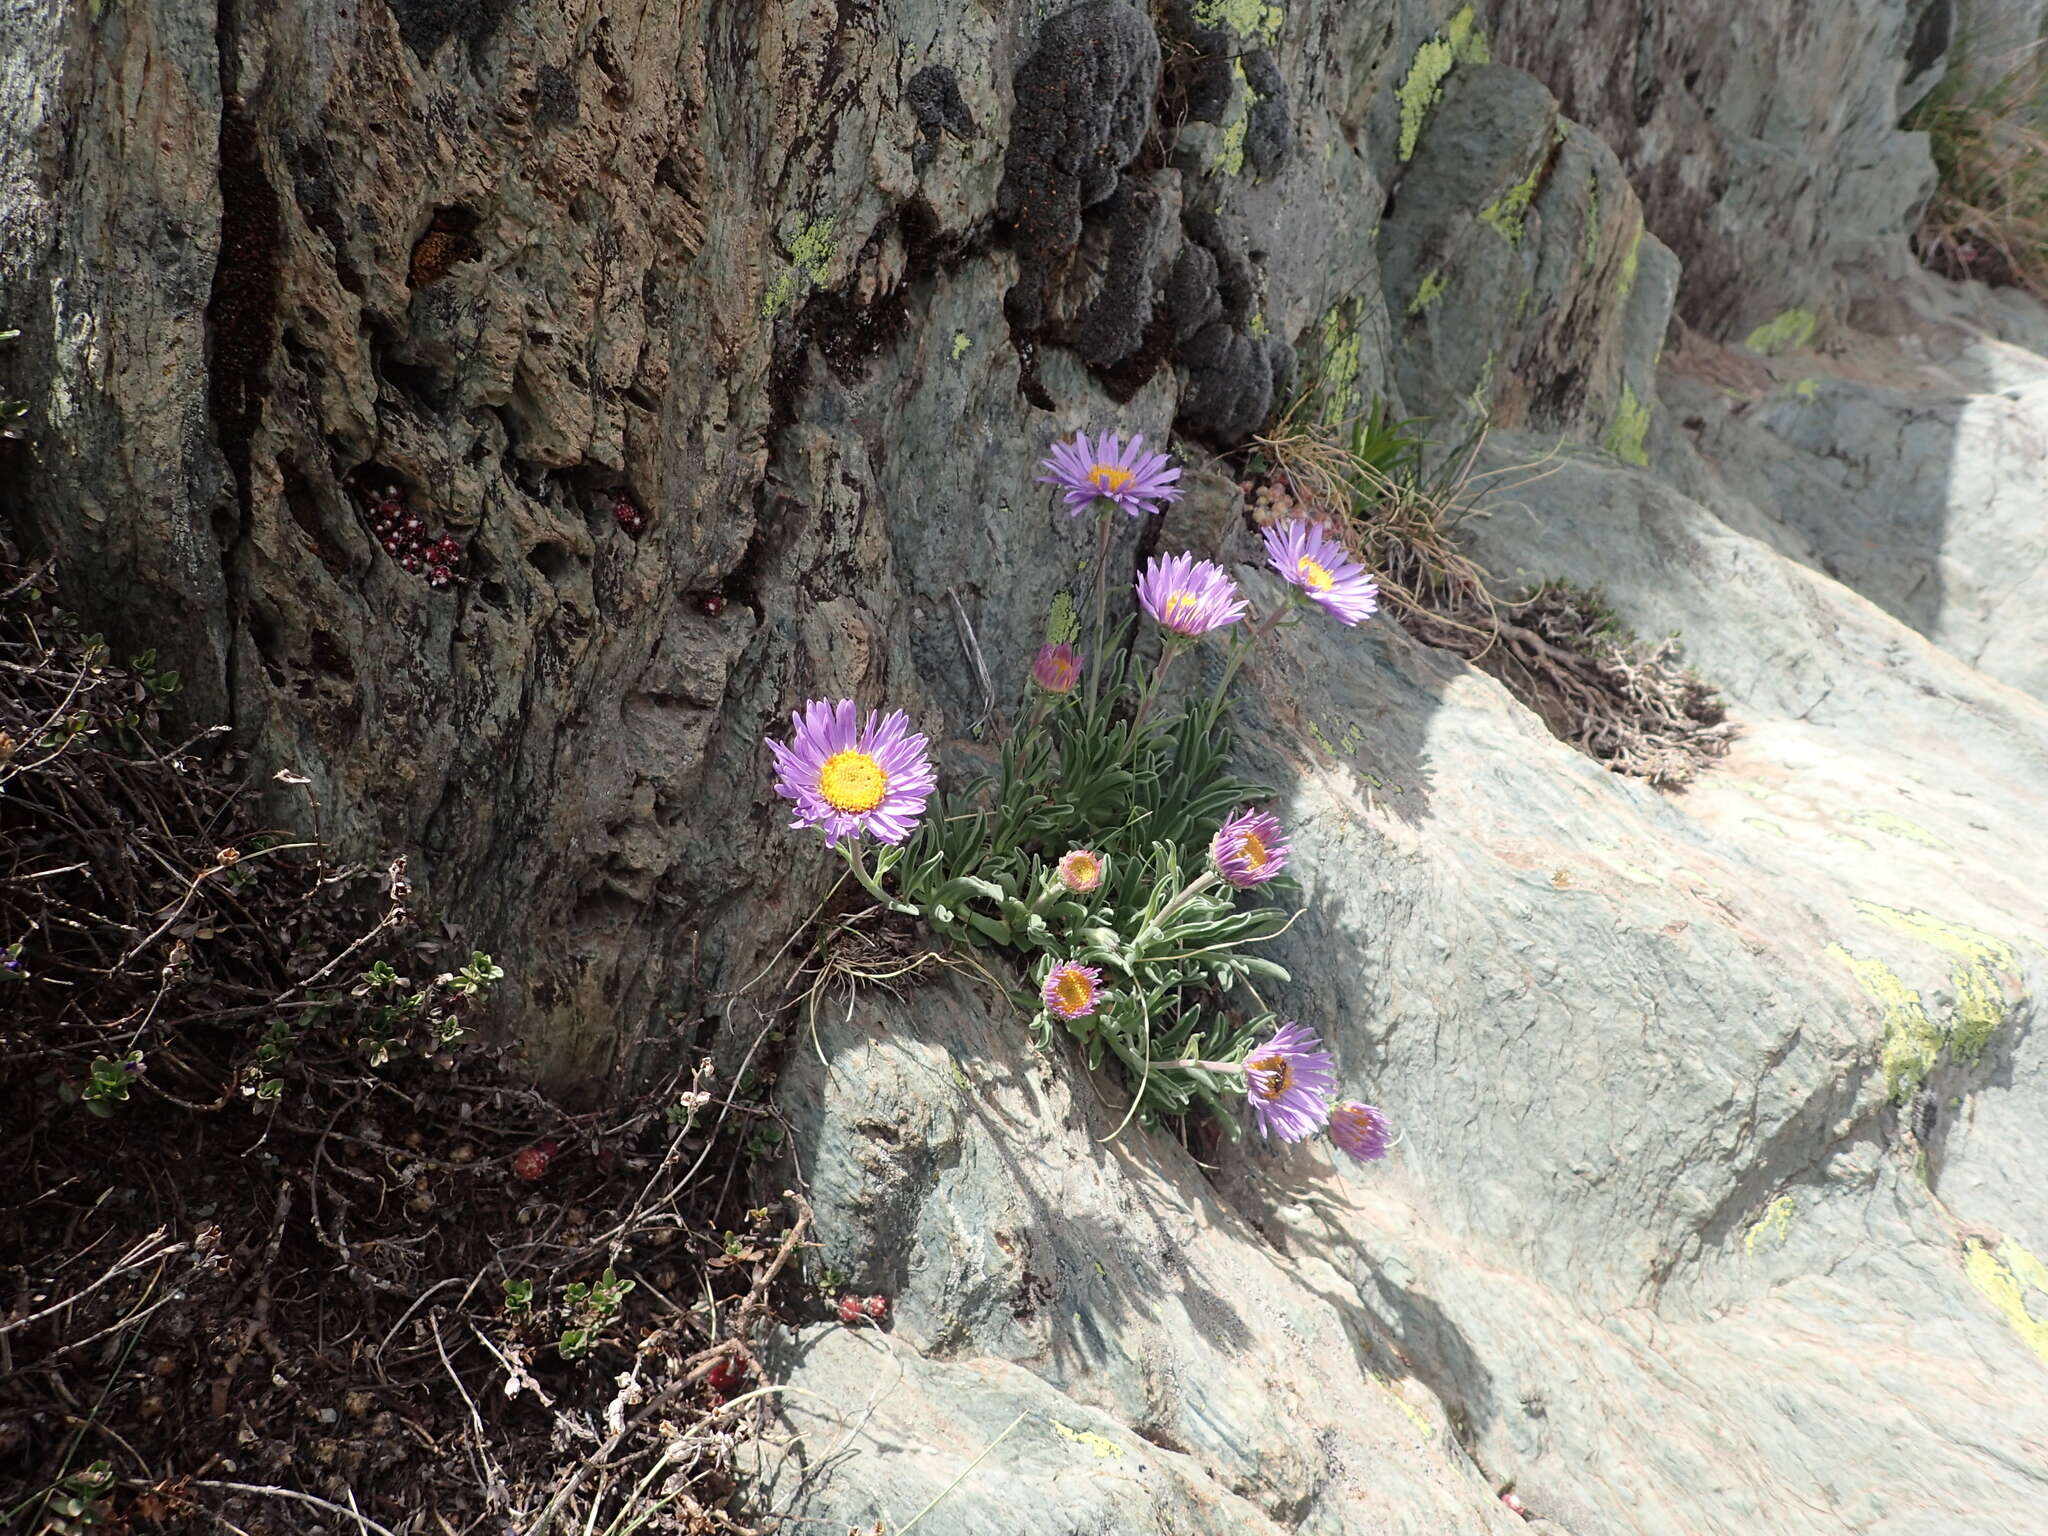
x=1279, y=1075
x=1083, y=871
x=1253, y=850
x=852, y=782
x=1177, y=603
x=1074, y=991
x=1109, y=478
x=1315, y=576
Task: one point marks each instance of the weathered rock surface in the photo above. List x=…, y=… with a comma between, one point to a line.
x=1716, y=1208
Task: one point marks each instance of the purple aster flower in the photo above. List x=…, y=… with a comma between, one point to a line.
x=1057, y=668
x=1304, y=553
x=872, y=779
x=1249, y=849
x=1288, y=1080
x=1080, y=870
x=1105, y=470
x=1071, y=990
x=1361, y=1131
x=1189, y=596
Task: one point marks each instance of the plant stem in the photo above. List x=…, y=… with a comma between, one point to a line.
x=1200, y=883
x=1174, y=645
x=1243, y=643
x=1196, y=1061
x=856, y=861
x=1102, y=525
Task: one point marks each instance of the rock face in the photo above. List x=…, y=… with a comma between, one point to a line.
x=721, y=343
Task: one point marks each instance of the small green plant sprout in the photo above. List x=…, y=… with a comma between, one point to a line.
x=106, y=1086
x=519, y=1297
x=79, y=1502
x=589, y=1308
x=1114, y=855
x=475, y=978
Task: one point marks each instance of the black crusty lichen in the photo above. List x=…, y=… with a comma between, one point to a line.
x=1084, y=104
x=933, y=95
x=1236, y=372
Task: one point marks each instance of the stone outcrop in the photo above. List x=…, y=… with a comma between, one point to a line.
x=721, y=343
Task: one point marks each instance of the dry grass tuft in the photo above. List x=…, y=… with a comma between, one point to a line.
x=1988, y=218
x=1628, y=705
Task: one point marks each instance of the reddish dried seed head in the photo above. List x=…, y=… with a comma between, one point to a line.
x=533, y=1161
x=850, y=1310
x=712, y=603
x=727, y=1375
x=876, y=1307
x=412, y=564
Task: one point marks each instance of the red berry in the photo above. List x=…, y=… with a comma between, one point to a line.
x=533, y=1161
x=712, y=603
x=412, y=564
x=850, y=1310
x=876, y=1307
x=727, y=1375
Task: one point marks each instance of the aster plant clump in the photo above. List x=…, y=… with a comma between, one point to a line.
x=1114, y=852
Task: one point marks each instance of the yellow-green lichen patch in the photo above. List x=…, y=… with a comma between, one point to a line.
x=1430, y=290
x=1981, y=1007
x=1794, y=328
x=1806, y=389
x=1468, y=39
x=1257, y=324
x=1912, y=1044
x=1461, y=42
x=1894, y=825
x=1507, y=214
x=1774, y=1223
x=1230, y=159
x=1631, y=259
x=1766, y=824
x=1339, y=337
x=1104, y=1448
x=1628, y=433
x=1253, y=20
x=1413, y=1414
x=961, y=342
x=2004, y=1278
x=1062, y=621
x=810, y=258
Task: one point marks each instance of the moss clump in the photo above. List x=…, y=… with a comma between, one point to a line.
x=1630, y=429
x=1794, y=328
x=1432, y=289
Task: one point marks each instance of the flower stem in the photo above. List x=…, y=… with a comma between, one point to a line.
x=1168, y=652
x=1102, y=525
x=1242, y=644
x=856, y=861
x=1196, y=1061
